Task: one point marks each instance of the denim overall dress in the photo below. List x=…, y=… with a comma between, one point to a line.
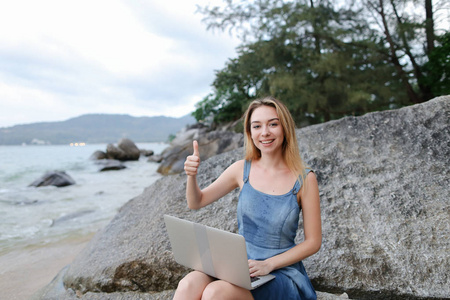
x=269, y=224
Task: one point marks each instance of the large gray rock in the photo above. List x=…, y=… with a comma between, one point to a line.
x=55, y=178
x=133, y=252
x=125, y=150
x=384, y=181
x=98, y=155
x=384, y=187
x=110, y=165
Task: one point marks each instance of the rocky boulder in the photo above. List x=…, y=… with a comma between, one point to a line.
x=126, y=149
x=55, y=178
x=155, y=158
x=110, y=165
x=97, y=155
x=211, y=143
x=147, y=153
x=384, y=188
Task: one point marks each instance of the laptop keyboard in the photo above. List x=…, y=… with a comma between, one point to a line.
x=253, y=279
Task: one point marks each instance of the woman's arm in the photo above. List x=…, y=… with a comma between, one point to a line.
x=312, y=226
x=227, y=181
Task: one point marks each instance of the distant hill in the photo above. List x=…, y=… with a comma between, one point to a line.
x=95, y=128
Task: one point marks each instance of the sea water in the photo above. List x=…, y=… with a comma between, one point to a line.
x=41, y=215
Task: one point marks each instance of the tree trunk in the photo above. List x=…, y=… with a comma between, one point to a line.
x=429, y=26
x=315, y=29
x=413, y=97
x=425, y=90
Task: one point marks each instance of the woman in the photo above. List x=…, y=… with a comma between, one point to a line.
x=271, y=197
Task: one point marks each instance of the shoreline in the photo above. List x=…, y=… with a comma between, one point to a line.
x=23, y=272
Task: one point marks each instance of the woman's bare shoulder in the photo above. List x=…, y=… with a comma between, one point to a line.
x=235, y=170
x=237, y=166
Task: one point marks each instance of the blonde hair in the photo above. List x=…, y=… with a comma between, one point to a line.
x=290, y=150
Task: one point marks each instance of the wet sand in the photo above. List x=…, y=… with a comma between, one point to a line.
x=23, y=272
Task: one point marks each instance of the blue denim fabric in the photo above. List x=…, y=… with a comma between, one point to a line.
x=269, y=224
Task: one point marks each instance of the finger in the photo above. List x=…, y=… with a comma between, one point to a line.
x=195, y=146
x=251, y=264
x=192, y=160
x=189, y=165
x=190, y=171
x=190, y=168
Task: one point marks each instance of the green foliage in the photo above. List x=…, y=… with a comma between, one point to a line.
x=171, y=137
x=437, y=69
x=322, y=61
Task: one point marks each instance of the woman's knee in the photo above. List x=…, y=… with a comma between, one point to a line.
x=192, y=285
x=214, y=290
x=185, y=284
x=221, y=290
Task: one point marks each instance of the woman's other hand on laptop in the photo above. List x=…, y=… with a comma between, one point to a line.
x=259, y=267
x=192, y=161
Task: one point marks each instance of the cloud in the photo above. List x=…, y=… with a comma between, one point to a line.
x=60, y=59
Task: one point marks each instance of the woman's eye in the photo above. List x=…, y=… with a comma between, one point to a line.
x=274, y=124
x=256, y=126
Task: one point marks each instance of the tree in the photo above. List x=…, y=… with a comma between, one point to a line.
x=401, y=33
x=233, y=88
x=437, y=70
x=322, y=60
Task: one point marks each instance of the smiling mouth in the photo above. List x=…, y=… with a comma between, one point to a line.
x=267, y=142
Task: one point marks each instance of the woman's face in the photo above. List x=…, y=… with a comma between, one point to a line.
x=266, y=130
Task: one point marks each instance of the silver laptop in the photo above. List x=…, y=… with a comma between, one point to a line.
x=218, y=253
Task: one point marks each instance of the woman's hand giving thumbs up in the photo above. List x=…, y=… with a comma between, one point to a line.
x=192, y=161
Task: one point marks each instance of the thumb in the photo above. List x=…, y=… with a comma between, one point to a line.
x=195, y=145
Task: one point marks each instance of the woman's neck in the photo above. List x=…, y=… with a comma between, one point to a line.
x=272, y=161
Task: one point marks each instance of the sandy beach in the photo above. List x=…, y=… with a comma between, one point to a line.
x=25, y=271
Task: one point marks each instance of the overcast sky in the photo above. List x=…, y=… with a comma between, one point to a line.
x=61, y=59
